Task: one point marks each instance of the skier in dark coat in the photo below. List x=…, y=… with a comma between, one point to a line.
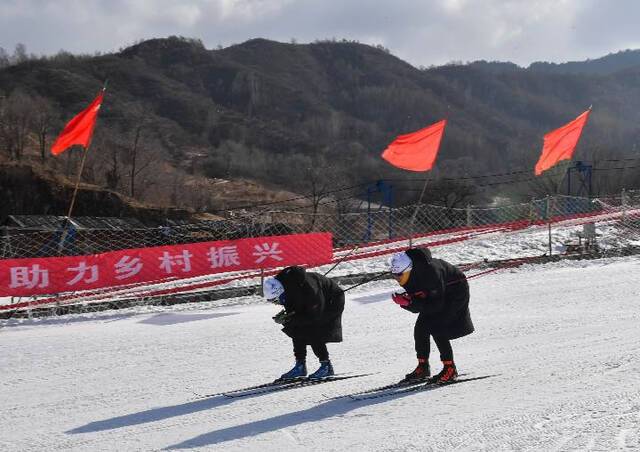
x=312, y=315
x=439, y=293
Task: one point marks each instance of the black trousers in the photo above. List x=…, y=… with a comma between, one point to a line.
x=422, y=337
x=319, y=349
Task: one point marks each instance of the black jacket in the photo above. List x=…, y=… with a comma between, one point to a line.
x=439, y=291
x=317, y=303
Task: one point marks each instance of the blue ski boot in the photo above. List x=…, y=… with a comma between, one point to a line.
x=325, y=370
x=299, y=370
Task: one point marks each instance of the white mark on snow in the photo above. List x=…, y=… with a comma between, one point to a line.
x=621, y=439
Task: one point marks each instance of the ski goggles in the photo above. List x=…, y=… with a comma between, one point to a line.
x=402, y=278
x=279, y=300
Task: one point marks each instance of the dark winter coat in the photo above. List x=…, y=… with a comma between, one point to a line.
x=317, y=303
x=440, y=293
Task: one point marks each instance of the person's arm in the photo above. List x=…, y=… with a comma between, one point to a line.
x=308, y=316
x=309, y=308
x=431, y=299
x=283, y=317
x=405, y=301
x=429, y=302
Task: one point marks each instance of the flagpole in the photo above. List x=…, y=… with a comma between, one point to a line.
x=67, y=220
x=75, y=190
x=424, y=189
x=415, y=212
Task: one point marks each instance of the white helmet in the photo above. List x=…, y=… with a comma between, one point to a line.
x=400, y=263
x=272, y=289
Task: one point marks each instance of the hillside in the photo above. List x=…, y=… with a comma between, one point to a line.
x=32, y=190
x=28, y=190
x=301, y=117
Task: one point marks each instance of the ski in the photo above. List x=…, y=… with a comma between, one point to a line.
x=393, y=386
x=398, y=385
x=250, y=388
x=428, y=386
x=289, y=385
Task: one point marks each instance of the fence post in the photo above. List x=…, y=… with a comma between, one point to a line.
x=7, y=252
x=261, y=289
x=623, y=202
x=29, y=313
x=469, y=216
x=532, y=213
x=548, y=214
x=367, y=236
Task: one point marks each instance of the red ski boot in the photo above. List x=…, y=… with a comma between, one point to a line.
x=448, y=374
x=422, y=372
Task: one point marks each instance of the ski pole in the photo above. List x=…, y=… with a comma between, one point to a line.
x=342, y=260
x=378, y=276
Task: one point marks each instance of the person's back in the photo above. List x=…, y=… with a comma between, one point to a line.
x=449, y=272
x=313, y=304
x=439, y=293
x=329, y=290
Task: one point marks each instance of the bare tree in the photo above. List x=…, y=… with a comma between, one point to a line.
x=112, y=174
x=321, y=180
x=3, y=123
x=148, y=171
x=134, y=159
x=318, y=186
x=44, y=115
x=450, y=193
x=550, y=182
x=16, y=115
x=20, y=54
x=4, y=58
x=144, y=160
x=177, y=184
x=140, y=155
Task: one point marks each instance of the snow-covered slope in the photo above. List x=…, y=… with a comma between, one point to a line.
x=560, y=342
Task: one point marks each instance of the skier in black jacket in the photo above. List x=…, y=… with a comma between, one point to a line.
x=439, y=292
x=312, y=315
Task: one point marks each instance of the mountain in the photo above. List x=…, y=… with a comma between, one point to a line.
x=300, y=117
x=609, y=64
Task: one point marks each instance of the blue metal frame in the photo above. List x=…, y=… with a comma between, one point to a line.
x=584, y=173
x=379, y=186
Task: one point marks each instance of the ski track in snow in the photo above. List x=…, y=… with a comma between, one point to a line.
x=561, y=340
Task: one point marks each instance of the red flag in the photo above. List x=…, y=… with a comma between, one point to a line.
x=80, y=129
x=416, y=151
x=559, y=144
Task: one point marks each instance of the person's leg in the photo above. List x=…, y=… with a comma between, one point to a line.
x=300, y=367
x=422, y=346
x=299, y=350
x=326, y=368
x=320, y=350
x=421, y=338
x=449, y=372
x=444, y=347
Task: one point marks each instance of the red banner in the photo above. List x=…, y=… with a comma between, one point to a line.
x=49, y=275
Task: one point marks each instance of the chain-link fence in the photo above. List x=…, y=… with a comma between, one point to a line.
x=472, y=237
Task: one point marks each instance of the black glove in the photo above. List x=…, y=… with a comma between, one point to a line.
x=283, y=317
